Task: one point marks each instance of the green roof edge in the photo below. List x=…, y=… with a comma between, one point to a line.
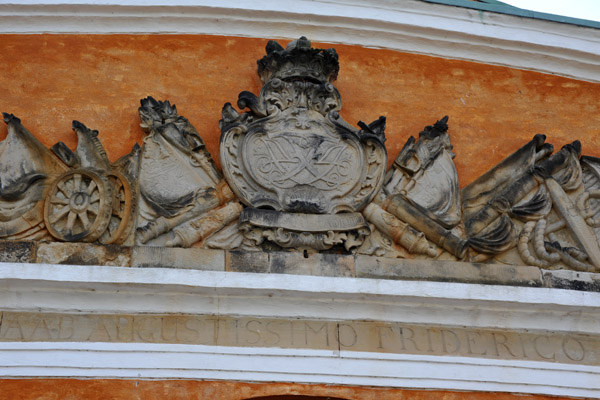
x=503, y=8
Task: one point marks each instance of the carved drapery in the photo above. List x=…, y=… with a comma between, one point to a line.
x=297, y=177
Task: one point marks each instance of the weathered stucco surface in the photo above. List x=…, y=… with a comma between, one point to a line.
x=49, y=80
x=63, y=389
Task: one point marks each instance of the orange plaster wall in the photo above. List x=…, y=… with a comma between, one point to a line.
x=49, y=80
x=113, y=389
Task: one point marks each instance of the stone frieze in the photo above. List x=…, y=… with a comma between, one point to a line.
x=297, y=177
x=370, y=336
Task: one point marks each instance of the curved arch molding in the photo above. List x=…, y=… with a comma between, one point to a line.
x=408, y=26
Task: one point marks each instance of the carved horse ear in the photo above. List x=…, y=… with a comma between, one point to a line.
x=441, y=125
x=273, y=46
x=375, y=128
x=8, y=118
x=149, y=102
x=229, y=114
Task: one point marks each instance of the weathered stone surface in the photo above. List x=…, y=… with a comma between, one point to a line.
x=397, y=230
x=290, y=263
x=371, y=336
x=167, y=257
x=311, y=264
x=446, y=271
x=27, y=168
x=21, y=252
x=241, y=261
x=179, y=182
x=573, y=280
x=298, y=155
x=83, y=254
x=293, y=154
x=425, y=174
x=94, y=199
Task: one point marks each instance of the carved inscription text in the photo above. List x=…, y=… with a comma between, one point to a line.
x=312, y=334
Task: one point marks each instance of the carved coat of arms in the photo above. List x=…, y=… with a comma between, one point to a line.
x=302, y=171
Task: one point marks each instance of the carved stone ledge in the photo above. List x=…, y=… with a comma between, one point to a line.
x=571, y=280
x=83, y=254
x=357, y=266
x=304, y=231
x=447, y=271
x=164, y=257
x=18, y=252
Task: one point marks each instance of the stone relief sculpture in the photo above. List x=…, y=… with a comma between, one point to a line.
x=27, y=169
x=302, y=171
x=180, y=186
x=421, y=190
x=70, y=196
x=93, y=199
x=296, y=177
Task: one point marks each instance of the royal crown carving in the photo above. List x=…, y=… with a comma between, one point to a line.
x=295, y=176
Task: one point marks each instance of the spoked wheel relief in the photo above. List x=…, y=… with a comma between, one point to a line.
x=78, y=206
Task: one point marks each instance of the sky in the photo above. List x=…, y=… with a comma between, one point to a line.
x=584, y=9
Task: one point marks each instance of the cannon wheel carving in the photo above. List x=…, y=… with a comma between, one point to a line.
x=121, y=218
x=78, y=206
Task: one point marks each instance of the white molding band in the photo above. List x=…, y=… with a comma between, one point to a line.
x=168, y=361
x=105, y=289
x=409, y=26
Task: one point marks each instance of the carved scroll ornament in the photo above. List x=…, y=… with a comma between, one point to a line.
x=296, y=176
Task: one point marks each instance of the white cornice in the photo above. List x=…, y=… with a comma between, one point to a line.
x=105, y=289
x=409, y=26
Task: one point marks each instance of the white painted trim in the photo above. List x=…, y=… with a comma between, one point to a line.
x=408, y=26
x=148, y=361
x=105, y=289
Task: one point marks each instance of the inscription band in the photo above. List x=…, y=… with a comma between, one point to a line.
x=369, y=336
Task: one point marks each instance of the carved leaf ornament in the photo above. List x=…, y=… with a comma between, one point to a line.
x=297, y=177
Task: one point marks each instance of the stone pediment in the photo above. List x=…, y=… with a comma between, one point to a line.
x=296, y=177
